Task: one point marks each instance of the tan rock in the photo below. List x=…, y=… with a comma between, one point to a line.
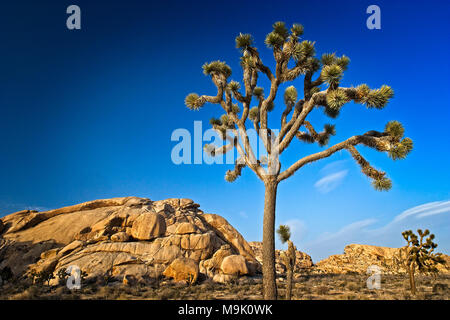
x=234, y=265
x=70, y=247
x=182, y=269
x=185, y=228
x=303, y=261
x=230, y=234
x=148, y=226
x=120, y=237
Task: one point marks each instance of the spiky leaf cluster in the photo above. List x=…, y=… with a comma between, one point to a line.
x=258, y=92
x=218, y=67
x=382, y=184
x=290, y=96
x=232, y=175
x=303, y=51
x=193, y=101
x=332, y=74
x=400, y=148
x=274, y=40
x=329, y=59
x=280, y=29
x=234, y=85
x=253, y=113
x=215, y=122
x=297, y=30
x=336, y=99
x=284, y=232
x=378, y=98
x=243, y=41
x=248, y=62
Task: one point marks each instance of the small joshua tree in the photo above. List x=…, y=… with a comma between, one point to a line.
x=324, y=92
x=418, y=255
x=287, y=257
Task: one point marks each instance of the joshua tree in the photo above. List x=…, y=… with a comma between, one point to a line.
x=287, y=257
x=419, y=254
x=323, y=92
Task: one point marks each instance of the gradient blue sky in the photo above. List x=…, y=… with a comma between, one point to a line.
x=89, y=114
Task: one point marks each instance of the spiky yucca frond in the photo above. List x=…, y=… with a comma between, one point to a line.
x=226, y=121
x=217, y=67
x=253, y=113
x=314, y=90
x=401, y=149
x=193, y=101
x=382, y=184
x=284, y=232
x=243, y=41
x=395, y=129
x=235, y=108
x=270, y=106
x=274, y=40
x=362, y=91
x=331, y=112
x=258, y=92
x=306, y=137
x=379, y=98
x=343, y=62
x=336, y=99
x=304, y=50
x=330, y=129
x=248, y=62
x=328, y=59
x=332, y=74
x=215, y=122
x=290, y=96
x=297, y=30
x=280, y=29
x=234, y=85
x=232, y=175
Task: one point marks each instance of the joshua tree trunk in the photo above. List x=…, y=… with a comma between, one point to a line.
x=269, y=283
x=289, y=283
x=412, y=281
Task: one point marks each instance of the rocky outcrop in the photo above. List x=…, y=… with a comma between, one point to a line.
x=182, y=269
x=130, y=239
x=357, y=258
x=303, y=261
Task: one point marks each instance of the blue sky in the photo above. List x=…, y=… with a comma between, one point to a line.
x=88, y=114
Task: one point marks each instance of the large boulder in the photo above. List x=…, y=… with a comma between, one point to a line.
x=182, y=269
x=234, y=265
x=148, y=226
x=130, y=237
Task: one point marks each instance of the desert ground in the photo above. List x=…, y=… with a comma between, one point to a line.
x=306, y=287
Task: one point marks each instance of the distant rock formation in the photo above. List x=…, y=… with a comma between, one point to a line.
x=303, y=261
x=358, y=257
x=125, y=237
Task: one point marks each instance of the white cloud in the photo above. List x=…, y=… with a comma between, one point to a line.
x=425, y=210
x=243, y=214
x=331, y=181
